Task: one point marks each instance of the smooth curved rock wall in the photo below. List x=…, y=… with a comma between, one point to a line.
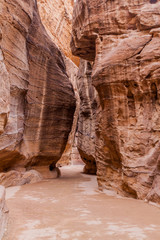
x=37, y=97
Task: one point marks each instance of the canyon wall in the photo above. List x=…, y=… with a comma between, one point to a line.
x=87, y=117
x=122, y=39
x=36, y=95
x=57, y=18
x=67, y=157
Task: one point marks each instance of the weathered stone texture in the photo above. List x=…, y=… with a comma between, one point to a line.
x=37, y=97
x=67, y=157
x=87, y=117
x=18, y=178
x=15, y=19
x=122, y=38
x=57, y=18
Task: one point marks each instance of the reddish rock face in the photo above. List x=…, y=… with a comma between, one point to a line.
x=56, y=16
x=38, y=99
x=122, y=39
x=87, y=116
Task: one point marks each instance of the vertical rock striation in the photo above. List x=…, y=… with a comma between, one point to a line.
x=57, y=18
x=37, y=97
x=15, y=19
x=87, y=117
x=67, y=157
x=122, y=39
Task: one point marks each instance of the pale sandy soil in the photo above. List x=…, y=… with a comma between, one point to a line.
x=71, y=208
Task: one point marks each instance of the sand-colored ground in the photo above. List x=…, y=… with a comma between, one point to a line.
x=71, y=208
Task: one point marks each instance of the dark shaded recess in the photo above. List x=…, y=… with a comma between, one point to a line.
x=129, y=191
x=131, y=104
x=153, y=1
x=86, y=114
x=154, y=95
x=86, y=49
x=89, y=66
x=51, y=167
x=81, y=97
x=126, y=84
x=89, y=160
x=158, y=167
x=9, y=159
x=148, y=76
x=42, y=160
x=94, y=104
x=114, y=153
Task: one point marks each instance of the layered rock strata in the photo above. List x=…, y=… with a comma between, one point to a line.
x=122, y=39
x=57, y=18
x=87, y=117
x=37, y=98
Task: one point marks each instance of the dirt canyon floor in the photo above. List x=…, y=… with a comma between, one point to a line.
x=72, y=208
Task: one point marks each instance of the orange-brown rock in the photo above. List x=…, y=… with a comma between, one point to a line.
x=67, y=157
x=57, y=18
x=37, y=97
x=87, y=117
x=122, y=38
x=18, y=178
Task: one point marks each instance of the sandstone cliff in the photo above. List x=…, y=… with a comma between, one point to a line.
x=36, y=96
x=87, y=117
x=122, y=40
x=57, y=18
x=67, y=157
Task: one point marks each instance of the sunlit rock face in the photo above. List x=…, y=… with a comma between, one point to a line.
x=87, y=116
x=37, y=101
x=57, y=18
x=122, y=39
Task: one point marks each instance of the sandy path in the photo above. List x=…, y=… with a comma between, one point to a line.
x=70, y=208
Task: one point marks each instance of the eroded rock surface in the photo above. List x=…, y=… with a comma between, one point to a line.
x=57, y=18
x=36, y=96
x=122, y=38
x=67, y=157
x=19, y=177
x=87, y=117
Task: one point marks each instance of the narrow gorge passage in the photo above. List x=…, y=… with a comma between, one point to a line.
x=72, y=208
